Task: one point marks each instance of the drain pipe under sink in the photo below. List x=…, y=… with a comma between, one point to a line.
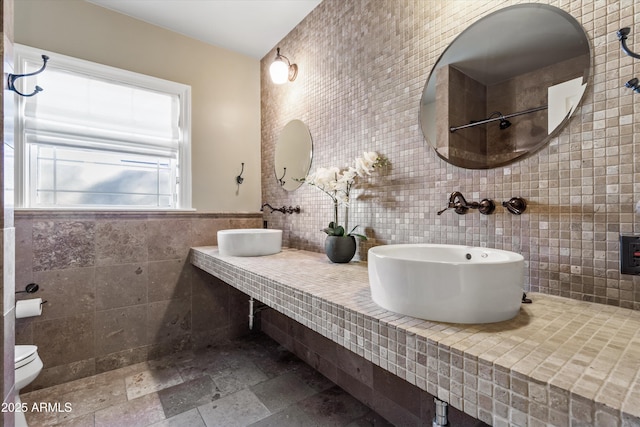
x=253, y=310
x=441, y=413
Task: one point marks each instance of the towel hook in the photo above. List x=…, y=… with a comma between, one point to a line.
x=239, y=178
x=11, y=79
x=622, y=34
x=633, y=85
x=280, y=180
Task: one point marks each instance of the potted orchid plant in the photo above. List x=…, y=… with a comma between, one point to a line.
x=340, y=246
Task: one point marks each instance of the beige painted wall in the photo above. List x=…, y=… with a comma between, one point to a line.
x=225, y=87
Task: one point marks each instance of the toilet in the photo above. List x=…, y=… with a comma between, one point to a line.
x=28, y=367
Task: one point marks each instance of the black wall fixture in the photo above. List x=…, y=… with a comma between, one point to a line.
x=622, y=36
x=633, y=85
x=281, y=179
x=239, y=178
x=11, y=79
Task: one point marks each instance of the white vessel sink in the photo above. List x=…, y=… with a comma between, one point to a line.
x=447, y=283
x=249, y=242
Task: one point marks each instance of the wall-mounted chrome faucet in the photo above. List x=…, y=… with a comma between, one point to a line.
x=458, y=203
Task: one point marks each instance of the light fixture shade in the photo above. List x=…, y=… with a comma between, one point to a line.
x=279, y=71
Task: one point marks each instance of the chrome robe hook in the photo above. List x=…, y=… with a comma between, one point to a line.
x=11, y=79
x=281, y=179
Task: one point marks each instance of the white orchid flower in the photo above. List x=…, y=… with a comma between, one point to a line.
x=337, y=184
x=362, y=168
x=371, y=156
x=349, y=175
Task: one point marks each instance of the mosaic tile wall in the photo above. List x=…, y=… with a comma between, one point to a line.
x=362, y=67
x=119, y=288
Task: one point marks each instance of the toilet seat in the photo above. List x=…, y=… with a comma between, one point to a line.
x=25, y=354
x=28, y=367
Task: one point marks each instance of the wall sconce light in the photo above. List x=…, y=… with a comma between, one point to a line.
x=282, y=70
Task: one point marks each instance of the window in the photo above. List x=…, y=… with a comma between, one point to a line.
x=100, y=137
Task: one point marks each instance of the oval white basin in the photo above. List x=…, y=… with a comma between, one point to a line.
x=249, y=242
x=447, y=283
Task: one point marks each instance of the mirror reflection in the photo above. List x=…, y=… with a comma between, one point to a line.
x=294, y=151
x=505, y=86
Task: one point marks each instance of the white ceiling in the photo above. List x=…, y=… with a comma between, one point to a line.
x=250, y=27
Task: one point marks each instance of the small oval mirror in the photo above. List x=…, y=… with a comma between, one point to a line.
x=294, y=151
x=505, y=86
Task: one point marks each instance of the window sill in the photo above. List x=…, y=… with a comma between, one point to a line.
x=102, y=209
x=126, y=213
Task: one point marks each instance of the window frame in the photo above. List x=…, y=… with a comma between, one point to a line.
x=26, y=54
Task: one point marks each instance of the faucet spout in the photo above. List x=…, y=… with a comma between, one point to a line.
x=284, y=209
x=458, y=203
x=443, y=210
x=272, y=208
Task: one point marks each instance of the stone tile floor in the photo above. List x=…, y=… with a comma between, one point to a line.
x=251, y=381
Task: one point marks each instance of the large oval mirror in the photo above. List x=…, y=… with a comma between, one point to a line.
x=293, y=155
x=505, y=86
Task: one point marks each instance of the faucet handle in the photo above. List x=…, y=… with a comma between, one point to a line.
x=458, y=207
x=515, y=205
x=486, y=206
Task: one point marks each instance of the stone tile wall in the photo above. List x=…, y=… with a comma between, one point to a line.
x=119, y=288
x=362, y=67
x=397, y=400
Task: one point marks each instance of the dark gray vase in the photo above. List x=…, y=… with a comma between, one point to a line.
x=340, y=249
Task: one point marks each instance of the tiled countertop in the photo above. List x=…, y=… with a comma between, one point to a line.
x=559, y=362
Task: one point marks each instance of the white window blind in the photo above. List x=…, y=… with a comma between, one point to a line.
x=101, y=137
